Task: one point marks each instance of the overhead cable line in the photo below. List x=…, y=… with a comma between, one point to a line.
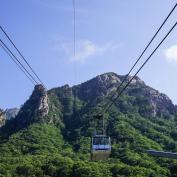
x=74, y=53
x=22, y=56
x=74, y=28
x=74, y=39
x=74, y=56
x=121, y=91
x=74, y=46
x=6, y=51
x=17, y=60
x=125, y=78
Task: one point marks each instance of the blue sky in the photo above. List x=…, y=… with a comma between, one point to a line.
x=110, y=35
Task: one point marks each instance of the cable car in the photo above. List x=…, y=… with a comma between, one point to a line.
x=101, y=147
x=101, y=143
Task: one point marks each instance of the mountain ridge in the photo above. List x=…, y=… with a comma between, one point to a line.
x=106, y=83
x=103, y=85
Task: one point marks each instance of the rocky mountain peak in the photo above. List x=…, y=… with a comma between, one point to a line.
x=114, y=78
x=36, y=107
x=104, y=84
x=2, y=118
x=109, y=77
x=40, y=95
x=43, y=107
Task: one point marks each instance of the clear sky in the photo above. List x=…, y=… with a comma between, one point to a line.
x=110, y=34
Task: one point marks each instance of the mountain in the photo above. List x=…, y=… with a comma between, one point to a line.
x=7, y=115
x=103, y=85
x=50, y=136
x=11, y=113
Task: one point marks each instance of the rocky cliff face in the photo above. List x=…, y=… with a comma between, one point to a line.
x=2, y=118
x=40, y=95
x=35, y=109
x=160, y=103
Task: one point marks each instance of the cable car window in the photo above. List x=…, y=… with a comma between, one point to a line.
x=100, y=140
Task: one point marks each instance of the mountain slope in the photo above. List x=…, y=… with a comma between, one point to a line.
x=51, y=134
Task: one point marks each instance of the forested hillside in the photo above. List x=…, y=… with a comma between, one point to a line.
x=51, y=134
